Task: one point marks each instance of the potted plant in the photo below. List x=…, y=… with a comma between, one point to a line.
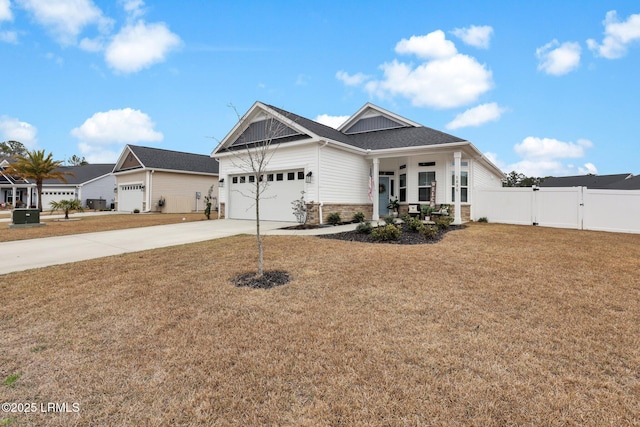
x=394, y=205
x=426, y=212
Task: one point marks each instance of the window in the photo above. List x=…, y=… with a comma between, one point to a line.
x=242, y=179
x=301, y=175
x=252, y=178
x=279, y=177
x=269, y=177
x=291, y=176
x=234, y=180
x=403, y=187
x=424, y=185
x=464, y=186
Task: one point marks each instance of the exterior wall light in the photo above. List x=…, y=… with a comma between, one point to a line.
x=221, y=183
x=308, y=177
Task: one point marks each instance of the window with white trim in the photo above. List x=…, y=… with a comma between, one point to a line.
x=464, y=186
x=424, y=185
x=403, y=187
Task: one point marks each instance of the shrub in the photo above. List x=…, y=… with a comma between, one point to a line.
x=136, y=210
x=483, y=219
x=389, y=220
x=429, y=231
x=386, y=232
x=364, y=228
x=334, y=218
x=358, y=217
x=300, y=209
x=414, y=225
x=443, y=221
x=405, y=217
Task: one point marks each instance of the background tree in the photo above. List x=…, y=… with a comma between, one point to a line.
x=76, y=160
x=253, y=159
x=37, y=166
x=12, y=149
x=515, y=179
x=66, y=206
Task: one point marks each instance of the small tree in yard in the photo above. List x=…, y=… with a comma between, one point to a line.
x=253, y=157
x=66, y=206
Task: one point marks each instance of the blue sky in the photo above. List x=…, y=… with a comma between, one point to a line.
x=544, y=87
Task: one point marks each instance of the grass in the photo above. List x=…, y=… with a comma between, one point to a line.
x=88, y=224
x=495, y=325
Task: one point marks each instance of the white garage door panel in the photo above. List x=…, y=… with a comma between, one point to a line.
x=49, y=196
x=275, y=201
x=130, y=197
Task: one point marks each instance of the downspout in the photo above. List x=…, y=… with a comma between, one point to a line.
x=149, y=188
x=320, y=202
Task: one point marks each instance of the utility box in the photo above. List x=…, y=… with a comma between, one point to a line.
x=97, y=204
x=26, y=216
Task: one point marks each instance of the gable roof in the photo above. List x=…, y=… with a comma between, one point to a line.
x=83, y=174
x=589, y=181
x=156, y=158
x=629, y=183
x=406, y=133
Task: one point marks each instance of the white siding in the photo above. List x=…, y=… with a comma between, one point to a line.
x=101, y=188
x=344, y=176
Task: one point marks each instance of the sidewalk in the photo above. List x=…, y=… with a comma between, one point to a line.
x=23, y=255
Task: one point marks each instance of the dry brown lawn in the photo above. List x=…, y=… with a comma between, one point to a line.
x=87, y=224
x=495, y=325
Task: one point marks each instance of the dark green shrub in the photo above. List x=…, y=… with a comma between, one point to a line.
x=364, y=228
x=429, y=231
x=443, y=221
x=334, y=218
x=358, y=217
x=389, y=219
x=405, y=217
x=414, y=225
x=483, y=219
x=386, y=232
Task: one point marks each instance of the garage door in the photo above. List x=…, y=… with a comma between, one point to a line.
x=49, y=196
x=275, y=202
x=130, y=197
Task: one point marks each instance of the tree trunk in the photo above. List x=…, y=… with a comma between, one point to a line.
x=39, y=191
x=260, y=259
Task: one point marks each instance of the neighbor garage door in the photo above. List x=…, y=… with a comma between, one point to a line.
x=130, y=197
x=275, y=202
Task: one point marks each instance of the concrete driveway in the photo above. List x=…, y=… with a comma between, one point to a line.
x=27, y=254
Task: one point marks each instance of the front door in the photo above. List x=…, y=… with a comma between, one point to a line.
x=383, y=195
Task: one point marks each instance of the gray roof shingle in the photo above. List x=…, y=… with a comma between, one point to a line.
x=82, y=174
x=589, y=181
x=156, y=158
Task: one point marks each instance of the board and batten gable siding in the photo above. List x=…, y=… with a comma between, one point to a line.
x=179, y=191
x=284, y=159
x=344, y=176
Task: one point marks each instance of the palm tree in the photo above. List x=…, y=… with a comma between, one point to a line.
x=66, y=206
x=35, y=165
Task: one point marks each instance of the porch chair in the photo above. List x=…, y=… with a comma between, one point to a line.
x=414, y=211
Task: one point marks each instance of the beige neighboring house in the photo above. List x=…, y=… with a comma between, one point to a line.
x=156, y=180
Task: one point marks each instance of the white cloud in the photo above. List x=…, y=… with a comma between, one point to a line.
x=477, y=36
x=66, y=19
x=617, y=36
x=477, y=116
x=430, y=46
x=13, y=129
x=446, y=79
x=133, y=8
x=441, y=83
x=5, y=11
x=545, y=157
x=549, y=148
x=98, y=154
x=124, y=126
x=558, y=59
x=352, y=80
x=140, y=46
x=9, y=37
x=331, y=121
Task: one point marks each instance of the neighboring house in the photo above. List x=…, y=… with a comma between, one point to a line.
x=155, y=180
x=629, y=183
x=589, y=181
x=15, y=190
x=88, y=182
x=373, y=157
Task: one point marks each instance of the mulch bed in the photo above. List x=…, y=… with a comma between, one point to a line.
x=407, y=237
x=268, y=280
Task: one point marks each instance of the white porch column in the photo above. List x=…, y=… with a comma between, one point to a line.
x=29, y=191
x=457, y=219
x=14, y=193
x=374, y=190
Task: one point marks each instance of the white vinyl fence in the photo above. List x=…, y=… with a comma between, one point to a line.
x=567, y=207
